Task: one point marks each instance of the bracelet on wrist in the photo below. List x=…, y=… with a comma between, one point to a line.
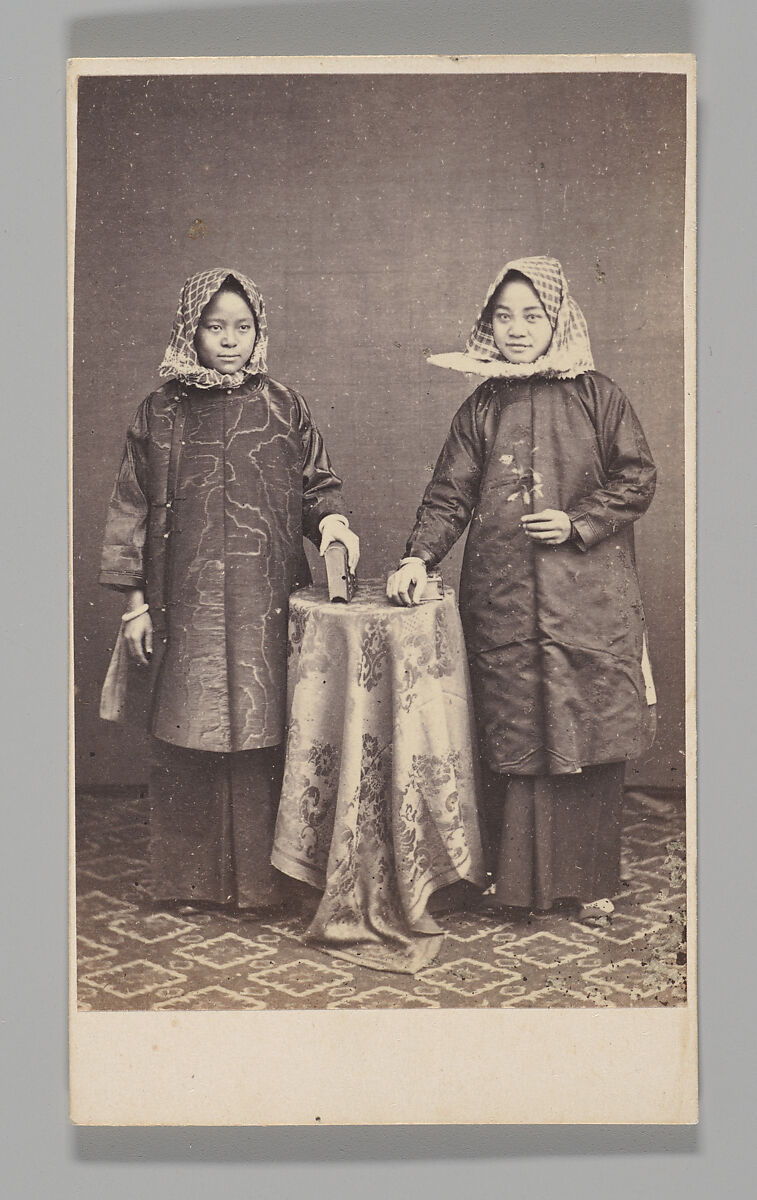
x=135, y=612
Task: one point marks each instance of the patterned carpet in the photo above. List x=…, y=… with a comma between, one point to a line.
x=133, y=957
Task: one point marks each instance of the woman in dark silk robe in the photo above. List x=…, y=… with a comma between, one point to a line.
x=549, y=465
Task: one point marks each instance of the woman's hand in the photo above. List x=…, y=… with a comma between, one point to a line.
x=550, y=526
x=406, y=584
x=335, y=529
x=138, y=638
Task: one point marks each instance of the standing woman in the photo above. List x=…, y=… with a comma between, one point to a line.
x=548, y=463
x=223, y=473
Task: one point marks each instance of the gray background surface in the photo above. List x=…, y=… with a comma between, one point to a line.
x=373, y=213
x=42, y=1155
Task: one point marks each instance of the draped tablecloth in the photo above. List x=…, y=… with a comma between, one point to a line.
x=378, y=807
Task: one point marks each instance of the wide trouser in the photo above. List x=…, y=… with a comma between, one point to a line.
x=554, y=837
x=212, y=818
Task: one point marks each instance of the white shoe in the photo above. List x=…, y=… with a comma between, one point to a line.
x=596, y=909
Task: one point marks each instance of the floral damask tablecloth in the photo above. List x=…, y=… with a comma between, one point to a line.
x=378, y=808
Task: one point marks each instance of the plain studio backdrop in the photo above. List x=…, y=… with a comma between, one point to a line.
x=373, y=212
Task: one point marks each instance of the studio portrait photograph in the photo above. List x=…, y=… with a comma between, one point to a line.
x=382, y=561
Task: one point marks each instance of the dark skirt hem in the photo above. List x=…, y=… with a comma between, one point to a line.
x=554, y=837
x=212, y=819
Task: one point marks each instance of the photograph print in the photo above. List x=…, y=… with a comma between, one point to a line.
x=381, y=389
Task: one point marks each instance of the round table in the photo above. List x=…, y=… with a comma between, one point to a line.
x=378, y=807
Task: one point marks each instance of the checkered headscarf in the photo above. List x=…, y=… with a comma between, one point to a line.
x=569, y=352
x=180, y=360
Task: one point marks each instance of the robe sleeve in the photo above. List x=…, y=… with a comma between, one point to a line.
x=321, y=486
x=629, y=469
x=451, y=496
x=123, y=557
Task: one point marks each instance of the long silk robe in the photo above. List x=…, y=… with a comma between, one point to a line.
x=219, y=565
x=555, y=634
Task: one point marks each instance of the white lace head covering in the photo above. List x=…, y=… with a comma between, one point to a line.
x=568, y=354
x=180, y=360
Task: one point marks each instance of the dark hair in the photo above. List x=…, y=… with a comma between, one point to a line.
x=509, y=277
x=232, y=284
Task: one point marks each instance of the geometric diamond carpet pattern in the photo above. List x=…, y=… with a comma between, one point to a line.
x=131, y=956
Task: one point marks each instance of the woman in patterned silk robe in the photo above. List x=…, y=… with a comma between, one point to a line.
x=223, y=473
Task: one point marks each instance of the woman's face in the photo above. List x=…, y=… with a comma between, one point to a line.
x=521, y=327
x=226, y=333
